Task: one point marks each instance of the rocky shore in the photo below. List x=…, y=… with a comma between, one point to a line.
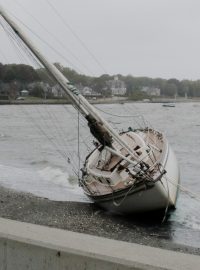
x=87, y=218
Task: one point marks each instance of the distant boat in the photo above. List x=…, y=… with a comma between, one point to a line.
x=169, y=105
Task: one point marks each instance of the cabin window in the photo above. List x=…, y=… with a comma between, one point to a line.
x=137, y=148
x=100, y=180
x=108, y=180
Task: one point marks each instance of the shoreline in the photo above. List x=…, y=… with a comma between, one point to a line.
x=97, y=101
x=85, y=218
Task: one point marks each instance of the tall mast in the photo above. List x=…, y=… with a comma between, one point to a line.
x=87, y=110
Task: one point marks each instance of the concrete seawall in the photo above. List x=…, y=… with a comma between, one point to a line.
x=27, y=246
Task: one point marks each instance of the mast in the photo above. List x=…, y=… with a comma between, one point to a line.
x=100, y=128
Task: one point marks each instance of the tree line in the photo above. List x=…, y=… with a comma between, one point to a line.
x=23, y=75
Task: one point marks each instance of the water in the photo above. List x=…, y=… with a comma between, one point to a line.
x=39, y=153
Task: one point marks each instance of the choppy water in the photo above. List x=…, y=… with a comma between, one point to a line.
x=34, y=139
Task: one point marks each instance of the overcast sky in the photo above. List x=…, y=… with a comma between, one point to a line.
x=154, y=38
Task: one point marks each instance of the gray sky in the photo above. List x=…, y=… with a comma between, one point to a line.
x=155, y=38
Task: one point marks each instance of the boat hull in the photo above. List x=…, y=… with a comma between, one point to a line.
x=169, y=105
x=161, y=195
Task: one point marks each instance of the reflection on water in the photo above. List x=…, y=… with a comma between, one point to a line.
x=39, y=154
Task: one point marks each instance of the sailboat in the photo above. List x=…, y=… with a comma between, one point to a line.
x=128, y=172
x=170, y=104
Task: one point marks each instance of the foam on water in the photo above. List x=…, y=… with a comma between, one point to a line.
x=47, y=182
x=55, y=176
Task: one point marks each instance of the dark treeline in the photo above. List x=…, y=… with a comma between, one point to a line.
x=25, y=74
x=21, y=73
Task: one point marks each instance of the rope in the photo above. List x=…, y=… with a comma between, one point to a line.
x=185, y=190
x=167, y=206
x=123, y=199
x=117, y=115
x=142, y=124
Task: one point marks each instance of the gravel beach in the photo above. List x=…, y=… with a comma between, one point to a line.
x=87, y=218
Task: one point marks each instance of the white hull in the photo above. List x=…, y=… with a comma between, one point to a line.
x=159, y=195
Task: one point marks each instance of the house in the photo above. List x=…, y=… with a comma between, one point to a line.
x=117, y=87
x=87, y=91
x=151, y=91
x=24, y=93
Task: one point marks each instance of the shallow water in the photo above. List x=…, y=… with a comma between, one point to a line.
x=39, y=154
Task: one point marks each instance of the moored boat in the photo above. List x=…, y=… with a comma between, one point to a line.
x=171, y=105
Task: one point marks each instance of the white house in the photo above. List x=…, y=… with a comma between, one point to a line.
x=151, y=91
x=118, y=87
x=24, y=93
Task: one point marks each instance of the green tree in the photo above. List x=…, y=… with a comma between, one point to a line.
x=37, y=91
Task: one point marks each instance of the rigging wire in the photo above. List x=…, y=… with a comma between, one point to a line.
x=60, y=132
x=133, y=117
x=141, y=117
x=76, y=36
x=46, y=43
x=55, y=38
x=168, y=201
x=82, y=124
x=30, y=54
x=12, y=41
x=23, y=51
x=118, y=115
x=4, y=56
x=16, y=41
x=187, y=191
x=19, y=46
x=52, y=120
x=46, y=135
x=79, y=157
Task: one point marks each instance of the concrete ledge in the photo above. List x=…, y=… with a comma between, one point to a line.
x=28, y=246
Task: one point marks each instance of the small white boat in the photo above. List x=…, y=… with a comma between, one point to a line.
x=134, y=171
